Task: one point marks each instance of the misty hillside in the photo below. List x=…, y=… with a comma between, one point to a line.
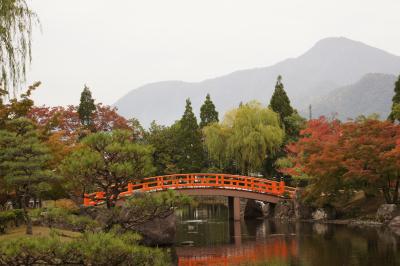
x=329, y=64
x=372, y=94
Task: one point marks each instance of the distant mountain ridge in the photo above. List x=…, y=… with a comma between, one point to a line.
x=371, y=94
x=329, y=64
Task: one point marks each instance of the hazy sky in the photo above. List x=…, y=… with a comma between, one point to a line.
x=116, y=46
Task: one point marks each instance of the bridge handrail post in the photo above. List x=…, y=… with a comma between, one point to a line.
x=130, y=187
x=86, y=200
x=158, y=182
x=99, y=195
x=274, y=190
x=281, y=187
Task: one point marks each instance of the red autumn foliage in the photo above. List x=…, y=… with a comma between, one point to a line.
x=66, y=119
x=312, y=144
x=356, y=155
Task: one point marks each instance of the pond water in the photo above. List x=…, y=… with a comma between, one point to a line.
x=205, y=236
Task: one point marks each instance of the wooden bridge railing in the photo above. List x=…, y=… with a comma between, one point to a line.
x=182, y=181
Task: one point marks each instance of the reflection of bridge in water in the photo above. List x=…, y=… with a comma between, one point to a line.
x=273, y=249
x=232, y=186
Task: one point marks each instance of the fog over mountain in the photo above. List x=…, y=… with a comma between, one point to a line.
x=331, y=63
x=372, y=94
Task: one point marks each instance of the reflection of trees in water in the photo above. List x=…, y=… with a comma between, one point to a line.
x=341, y=245
x=320, y=229
x=274, y=249
x=315, y=244
x=203, y=211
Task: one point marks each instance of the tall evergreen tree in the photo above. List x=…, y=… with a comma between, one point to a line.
x=290, y=119
x=24, y=163
x=86, y=107
x=208, y=114
x=280, y=102
x=395, y=113
x=191, y=153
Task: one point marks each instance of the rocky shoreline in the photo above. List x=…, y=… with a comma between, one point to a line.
x=387, y=215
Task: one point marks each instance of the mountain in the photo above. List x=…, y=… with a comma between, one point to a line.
x=329, y=64
x=371, y=94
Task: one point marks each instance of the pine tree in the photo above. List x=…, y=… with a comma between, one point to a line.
x=24, y=163
x=86, y=107
x=395, y=113
x=191, y=153
x=280, y=102
x=108, y=161
x=208, y=114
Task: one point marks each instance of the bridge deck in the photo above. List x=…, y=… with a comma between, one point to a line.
x=199, y=181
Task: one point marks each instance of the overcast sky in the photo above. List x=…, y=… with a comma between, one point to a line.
x=116, y=46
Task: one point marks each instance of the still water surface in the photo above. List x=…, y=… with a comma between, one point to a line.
x=205, y=236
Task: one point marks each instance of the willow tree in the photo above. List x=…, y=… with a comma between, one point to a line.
x=16, y=25
x=246, y=136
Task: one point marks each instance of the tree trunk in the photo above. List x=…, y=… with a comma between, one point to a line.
x=26, y=216
x=109, y=202
x=386, y=194
x=396, y=192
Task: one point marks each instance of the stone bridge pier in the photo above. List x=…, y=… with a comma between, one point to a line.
x=241, y=208
x=234, y=207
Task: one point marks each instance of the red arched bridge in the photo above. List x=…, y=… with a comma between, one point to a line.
x=197, y=184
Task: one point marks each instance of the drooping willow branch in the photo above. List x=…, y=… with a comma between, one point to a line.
x=16, y=25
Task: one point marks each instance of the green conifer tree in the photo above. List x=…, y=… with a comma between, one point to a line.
x=280, y=102
x=191, y=153
x=290, y=120
x=24, y=163
x=108, y=161
x=395, y=112
x=208, y=114
x=86, y=107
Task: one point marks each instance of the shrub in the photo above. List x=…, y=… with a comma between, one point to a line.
x=144, y=207
x=89, y=249
x=82, y=223
x=7, y=216
x=64, y=218
x=66, y=204
x=61, y=203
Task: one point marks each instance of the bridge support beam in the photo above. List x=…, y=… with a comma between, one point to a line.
x=234, y=208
